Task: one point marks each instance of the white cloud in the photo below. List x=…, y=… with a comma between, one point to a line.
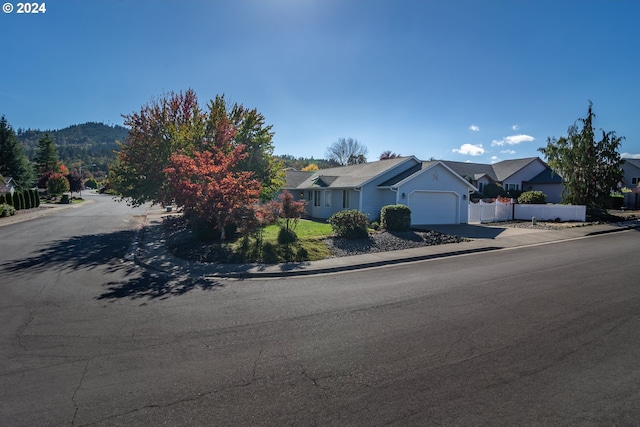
x=508, y=152
x=470, y=150
x=630, y=156
x=494, y=159
x=515, y=127
x=474, y=128
x=512, y=140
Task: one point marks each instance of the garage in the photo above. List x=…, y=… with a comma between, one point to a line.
x=434, y=207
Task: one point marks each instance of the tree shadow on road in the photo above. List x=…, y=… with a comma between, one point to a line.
x=151, y=285
x=112, y=253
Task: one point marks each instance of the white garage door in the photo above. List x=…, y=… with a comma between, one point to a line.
x=433, y=207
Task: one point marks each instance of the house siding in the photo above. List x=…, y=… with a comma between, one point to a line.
x=374, y=198
x=438, y=179
x=526, y=173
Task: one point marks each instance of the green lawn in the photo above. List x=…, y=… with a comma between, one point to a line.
x=308, y=247
x=304, y=229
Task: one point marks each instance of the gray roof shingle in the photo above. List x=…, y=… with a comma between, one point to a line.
x=349, y=176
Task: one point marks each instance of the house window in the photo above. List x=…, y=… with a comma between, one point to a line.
x=346, y=199
x=316, y=198
x=481, y=186
x=635, y=180
x=513, y=187
x=327, y=199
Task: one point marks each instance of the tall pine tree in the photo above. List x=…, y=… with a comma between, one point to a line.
x=46, y=155
x=13, y=162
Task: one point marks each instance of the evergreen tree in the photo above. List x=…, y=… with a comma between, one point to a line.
x=13, y=162
x=46, y=155
x=591, y=169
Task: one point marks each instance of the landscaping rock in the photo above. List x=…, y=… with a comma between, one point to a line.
x=388, y=241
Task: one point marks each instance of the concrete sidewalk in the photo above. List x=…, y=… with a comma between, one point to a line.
x=152, y=252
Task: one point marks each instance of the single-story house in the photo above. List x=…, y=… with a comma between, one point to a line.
x=6, y=185
x=435, y=193
x=631, y=181
x=527, y=174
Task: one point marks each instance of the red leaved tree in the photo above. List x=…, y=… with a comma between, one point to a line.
x=291, y=210
x=208, y=185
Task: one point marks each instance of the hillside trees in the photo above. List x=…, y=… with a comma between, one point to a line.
x=591, y=169
x=13, y=161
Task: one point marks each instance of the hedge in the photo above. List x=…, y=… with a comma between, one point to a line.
x=395, y=217
x=350, y=223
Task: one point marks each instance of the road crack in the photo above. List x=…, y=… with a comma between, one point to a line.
x=75, y=393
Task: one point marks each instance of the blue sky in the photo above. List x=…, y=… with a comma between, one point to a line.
x=478, y=81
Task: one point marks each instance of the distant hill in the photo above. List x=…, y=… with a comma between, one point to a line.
x=82, y=145
x=92, y=145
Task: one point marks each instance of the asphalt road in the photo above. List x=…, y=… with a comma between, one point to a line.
x=544, y=335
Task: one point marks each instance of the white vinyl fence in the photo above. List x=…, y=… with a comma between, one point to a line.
x=490, y=212
x=551, y=212
x=483, y=212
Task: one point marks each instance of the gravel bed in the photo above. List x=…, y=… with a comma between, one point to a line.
x=388, y=241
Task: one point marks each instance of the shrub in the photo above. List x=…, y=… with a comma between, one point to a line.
x=532, y=198
x=617, y=200
x=6, y=210
x=36, y=197
x=27, y=199
x=57, y=184
x=65, y=199
x=492, y=191
x=286, y=236
x=351, y=224
x=395, y=217
x=91, y=183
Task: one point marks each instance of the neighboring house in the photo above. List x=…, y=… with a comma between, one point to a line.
x=631, y=180
x=6, y=185
x=434, y=192
x=528, y=174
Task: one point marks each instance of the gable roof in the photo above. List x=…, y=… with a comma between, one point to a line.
x=351, y=176
x=423, y=167
x=632, y=162
x=293, y=177
x=405, y=174
x=496, y=172
x=6, y=184
x=547, y=176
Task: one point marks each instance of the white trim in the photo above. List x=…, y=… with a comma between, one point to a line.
x=420, y=172
x=458, y=200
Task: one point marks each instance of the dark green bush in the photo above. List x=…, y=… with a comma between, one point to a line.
x=28, y=203
x=351, y=224
x=91, y=183
x=286, y=236
x=6, y=210
x=492, y=191
x=3, y=199
x=532, y=198
x=395, y=217
x=617, y=200
x=37, y=197
x=65, y=199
